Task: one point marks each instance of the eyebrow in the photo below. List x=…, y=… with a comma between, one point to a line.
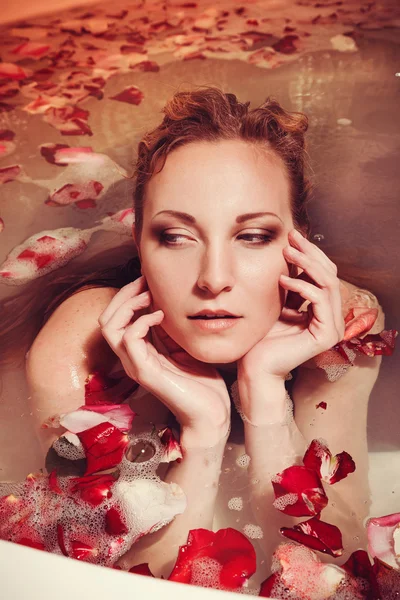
x=240, y=219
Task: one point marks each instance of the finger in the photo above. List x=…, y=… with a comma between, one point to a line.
x=123, y=315
x=312, y=266
x=303, y=244
x=293, y=315
x=321, y=308
x=128, y=291
x=114, y=330
x=134, y=336
x=293, y=299
x=322, y=277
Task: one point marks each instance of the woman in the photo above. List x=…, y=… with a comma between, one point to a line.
x=221, y=227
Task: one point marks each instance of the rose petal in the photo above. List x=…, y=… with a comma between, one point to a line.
x=359, y=565
x=8, y=174
x=381, y=543
x=86, y=417
x=229, y=547
x=93, y=489
x=378, y=344
x=317, y=535
x=114, y=522
x=131, y=95
x=61, y=539
x=102, y=389
x=172, y=448
x=75, y=193
x=53, y=483
x=31, y=543
x=298, y=492
x=330, y=469
x=361, y=323
x=82, y=551
x=142, y=569
x=104, y=447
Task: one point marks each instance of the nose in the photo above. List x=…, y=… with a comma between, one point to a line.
x=216, y=270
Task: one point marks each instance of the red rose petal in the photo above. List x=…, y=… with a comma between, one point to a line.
x=31, y=543
x=103, y=389
x=268, y=585
x=104, y=447
x=76, y=193
x=359, y=565
x=53, y=483
x=299, y=492
x=82, y=551
x=229, y=547
x=61, y=539
x=9, y=173
x=378, y=344
x=330, y=469
x=114, y=523
x=322, y=405
x=172, y=448
x=285, y=45
x=317, y=535
x=93, y=489
x=142, y=569
x=131, y=95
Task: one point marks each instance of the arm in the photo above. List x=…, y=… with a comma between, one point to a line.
x=344, y=427
x=66, y=350
x=198, y=476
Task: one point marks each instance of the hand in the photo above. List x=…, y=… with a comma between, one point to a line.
x=297, y=337
x=193, y=391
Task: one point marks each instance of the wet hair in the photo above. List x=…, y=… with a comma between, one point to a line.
x=205, y=114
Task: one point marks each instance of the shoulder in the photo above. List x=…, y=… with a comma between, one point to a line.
x=72, y=332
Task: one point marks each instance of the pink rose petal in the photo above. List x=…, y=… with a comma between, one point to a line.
x=362, y=321
x=381, y=533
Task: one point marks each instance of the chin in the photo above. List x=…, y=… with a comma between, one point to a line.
x=215, y=355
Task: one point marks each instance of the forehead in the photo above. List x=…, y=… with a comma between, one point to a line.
x=228, y=174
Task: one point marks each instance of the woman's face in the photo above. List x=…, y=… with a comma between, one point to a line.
x=220, y=256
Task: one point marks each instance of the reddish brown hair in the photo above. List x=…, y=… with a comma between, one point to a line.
x=204, y=114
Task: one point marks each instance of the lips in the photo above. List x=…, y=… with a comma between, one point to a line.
x=211, y=314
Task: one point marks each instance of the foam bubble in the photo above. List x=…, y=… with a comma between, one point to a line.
x=235, y=503
x=243, y=461
x=254, y=532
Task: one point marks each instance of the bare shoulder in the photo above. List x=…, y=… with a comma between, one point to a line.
x=72, y=331
x=356, y=296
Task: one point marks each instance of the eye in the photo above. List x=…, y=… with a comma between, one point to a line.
x=170, y=239
x=257, y=238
